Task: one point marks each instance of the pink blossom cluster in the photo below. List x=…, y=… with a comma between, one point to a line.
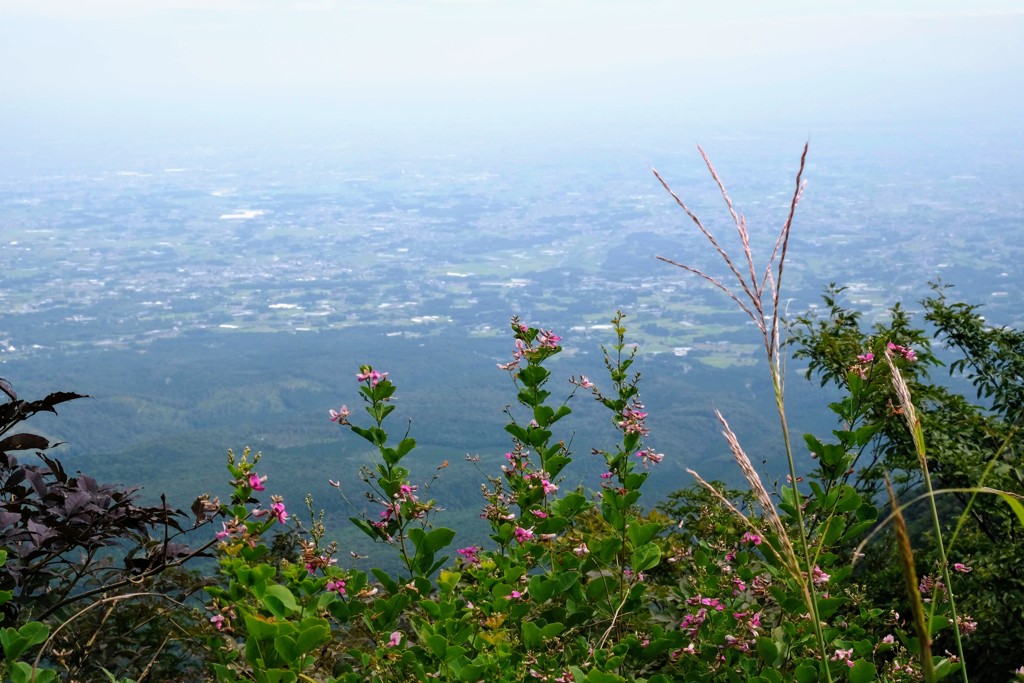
x=648, y=457
x=843, y=656
x=545, y=482
x=929, y=585
x=370, y=375
x=632, y=421
x=863, y=361
x=548, y=339
x=966, y=625
x=470, y=554
x=818, y=577
x=905, y=351
x=751, y=538
x=314, y=562
x=691, y=622
x=406, y=493
x=236, y=528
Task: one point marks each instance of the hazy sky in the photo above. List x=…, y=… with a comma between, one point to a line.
x=737, y=62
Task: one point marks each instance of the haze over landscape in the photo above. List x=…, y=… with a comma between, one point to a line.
x=211, y=213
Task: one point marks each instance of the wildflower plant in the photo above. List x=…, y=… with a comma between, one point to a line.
x=269, y=621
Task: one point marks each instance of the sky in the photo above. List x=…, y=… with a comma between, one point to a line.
x=119, y=64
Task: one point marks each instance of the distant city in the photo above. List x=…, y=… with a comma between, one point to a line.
x=120, y=256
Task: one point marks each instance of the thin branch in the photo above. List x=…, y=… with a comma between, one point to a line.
x=783, y=240
x=741, y=225
x=707, y=234
x=128, y=582
x=716, y=283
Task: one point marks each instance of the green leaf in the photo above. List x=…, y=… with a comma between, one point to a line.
x=767, y=651
x=406, y=445
x=571, y=504
x=14, y=645
x=540, y=588
x=285, y=647
x=805, y=673
x=438, y=645
x=389, y=584
x=552, y=630
x=312, y=635
x=640, y=534
x=531, y=636
x=22, y=673
x=34, y=632
x=646, y=557
x=1014, y=504
x=832, y=531
x=439, y=538
x=862, y=671
x=279, y=601
x=828, y=606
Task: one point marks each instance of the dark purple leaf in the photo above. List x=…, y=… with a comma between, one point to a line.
x=22, y=442
x=54, y=399
x=36, y=479
x=6, y=387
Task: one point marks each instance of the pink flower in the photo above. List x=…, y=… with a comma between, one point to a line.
x=889, y=639
x=633, y=421
x=256, y=482
x=905, y=351
x=843, y=656
x=966, y=625
x=650, y=457
x=516, y=595
x=336, y=587
x=818, y=577
x=340, y=416
x=866, y=358
x=396, y=639
x=235, y=526
x=368, y=374
x=218, y=621
x=470, y=553
x=322, y=561
x=549, y=488
x=581, y=550
x=522, y=535
x=751, y=538
x=548, y=339
x=607, y=475
x=278, y=512
x=407, y=493
x=540, y=514
x=961, y=567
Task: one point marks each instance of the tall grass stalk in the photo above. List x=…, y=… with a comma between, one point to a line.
x=906, y=406
x=759, y=298
x=910, y=585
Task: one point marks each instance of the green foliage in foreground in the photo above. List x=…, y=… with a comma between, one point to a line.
x=568, y=587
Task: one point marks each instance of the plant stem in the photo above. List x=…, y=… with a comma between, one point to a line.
x=808, y=585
